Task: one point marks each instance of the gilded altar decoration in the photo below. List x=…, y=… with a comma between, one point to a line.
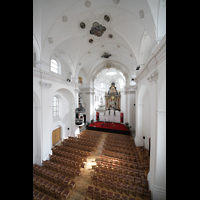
x=80, y=80
x=112, y=98
x=108, y=65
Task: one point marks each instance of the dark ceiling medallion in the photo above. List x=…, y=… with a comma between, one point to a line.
x=82, y=25
x=90, y=40
x=106, y=55
x=110, y=36
x=97, y=29
x=106, y=18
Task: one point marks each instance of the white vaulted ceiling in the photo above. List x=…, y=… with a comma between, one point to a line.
x=134, y=25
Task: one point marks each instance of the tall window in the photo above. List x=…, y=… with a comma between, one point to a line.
x=55, y=106
x=54, y=66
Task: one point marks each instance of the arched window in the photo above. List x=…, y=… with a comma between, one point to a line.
x=54, y=66
x=55, y=107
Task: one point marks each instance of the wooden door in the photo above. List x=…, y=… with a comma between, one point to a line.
x=55, y=136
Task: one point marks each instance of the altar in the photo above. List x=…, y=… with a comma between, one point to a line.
x=111, y=111
x=113, y=98
x=110, y=117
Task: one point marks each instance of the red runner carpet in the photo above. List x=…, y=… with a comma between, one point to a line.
x=109, y=125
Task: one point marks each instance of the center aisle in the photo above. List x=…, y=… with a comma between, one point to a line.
x=84, y=180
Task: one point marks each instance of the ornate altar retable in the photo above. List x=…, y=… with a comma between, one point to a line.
x=112, y=98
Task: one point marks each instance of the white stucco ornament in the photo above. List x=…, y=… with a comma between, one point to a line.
x=88, y=4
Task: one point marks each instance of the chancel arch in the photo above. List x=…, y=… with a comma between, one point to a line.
x=109, y=65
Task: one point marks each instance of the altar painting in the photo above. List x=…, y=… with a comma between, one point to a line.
x=112, y=98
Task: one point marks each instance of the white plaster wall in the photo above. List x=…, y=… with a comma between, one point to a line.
x=67, y=112
x=151, y=122
x=123, y=104
x=34, y=133
x=146, y=120
x=64, y=116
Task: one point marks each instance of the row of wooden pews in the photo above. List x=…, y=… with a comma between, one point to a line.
x=48, y=184
x=119, y=169
x=102, y=194
x=55, y=179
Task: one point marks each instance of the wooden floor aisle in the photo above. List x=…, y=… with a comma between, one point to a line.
x=84, y=180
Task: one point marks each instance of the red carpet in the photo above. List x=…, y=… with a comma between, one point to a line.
x=107, y=125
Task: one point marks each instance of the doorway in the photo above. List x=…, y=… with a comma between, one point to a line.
x=55, y=136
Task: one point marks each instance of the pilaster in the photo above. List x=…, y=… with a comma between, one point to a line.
x=157, y=173
x=39, y=139
x=138, y=132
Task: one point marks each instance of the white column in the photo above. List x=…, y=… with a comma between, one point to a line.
x=76, y=97
x=46, y=120
x=134, y=111
x=92, y=111
x=38, y=158
x=131, y=110
x=73, y=125
x=138, y=132
x=38, y=65
x=159, y=185
x=126, y=114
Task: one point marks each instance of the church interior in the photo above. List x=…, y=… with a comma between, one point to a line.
x=99, y=99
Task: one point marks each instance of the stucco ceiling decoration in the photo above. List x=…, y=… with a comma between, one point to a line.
x=88, y=4
x=116, y=1
x=108, y=65
x=97, y=29
x=64, y=18
x=141, y=14
x=50, y=40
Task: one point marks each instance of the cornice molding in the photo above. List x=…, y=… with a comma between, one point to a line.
x=90, y=92
x=158, y=56
x=129, y=92
x=48, y=76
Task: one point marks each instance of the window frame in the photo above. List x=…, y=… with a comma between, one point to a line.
x=55, y=106
x=55, y=68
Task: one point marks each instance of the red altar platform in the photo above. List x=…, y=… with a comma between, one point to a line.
x=109, y=127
